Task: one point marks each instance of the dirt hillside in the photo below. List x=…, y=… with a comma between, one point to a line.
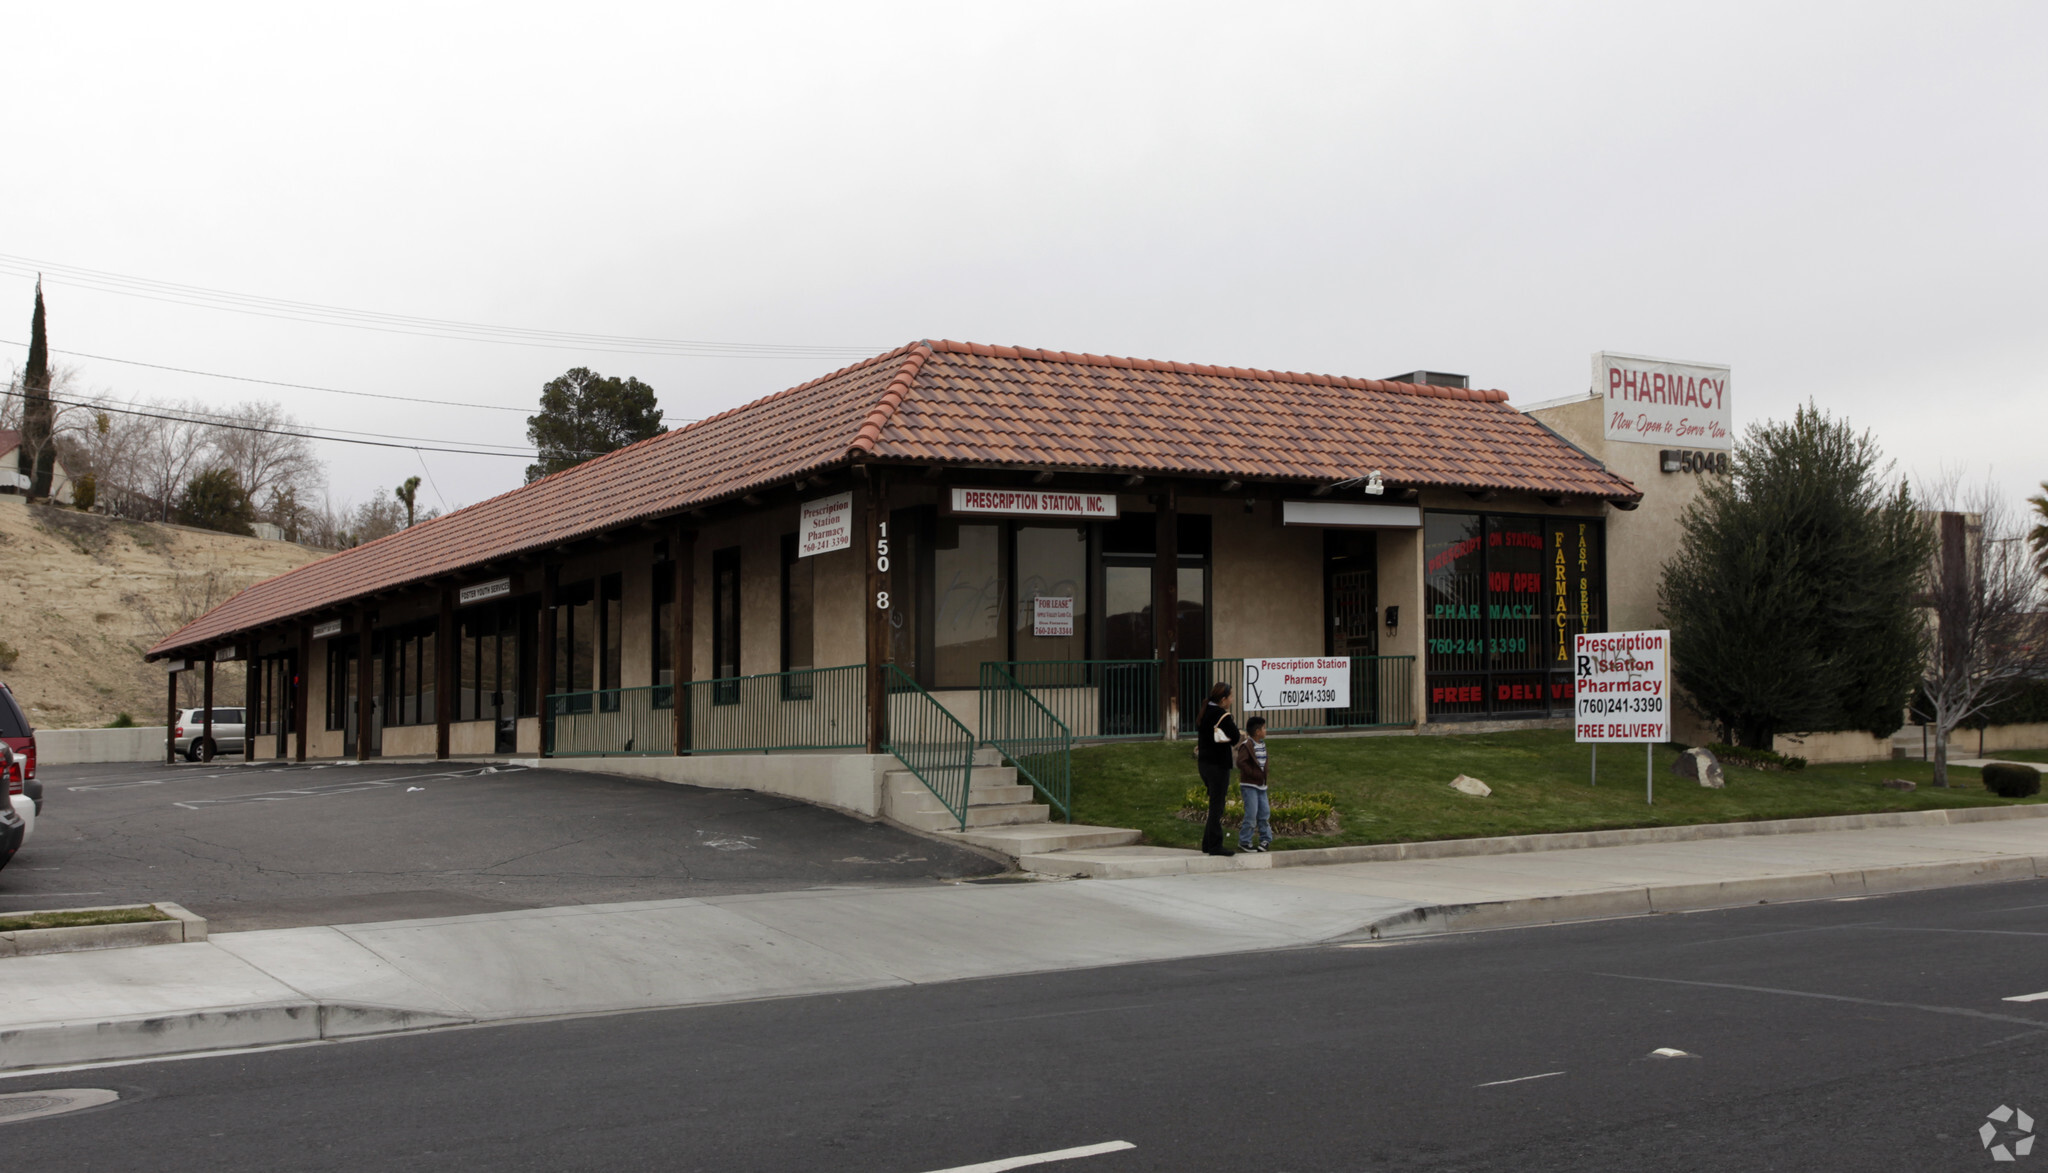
x=82, y=597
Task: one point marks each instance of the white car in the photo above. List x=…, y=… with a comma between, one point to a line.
x=191, y=729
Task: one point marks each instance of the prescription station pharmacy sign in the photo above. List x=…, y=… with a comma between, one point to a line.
x=1623, y=681
x=825, y=525
x=1672, y=404
x=1305, y=682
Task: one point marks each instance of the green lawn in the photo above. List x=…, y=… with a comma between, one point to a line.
x=1397, y=789
x=77, y=918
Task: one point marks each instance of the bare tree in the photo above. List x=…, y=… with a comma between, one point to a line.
x=267, y=451
x=173, y=447
x=1986, y=602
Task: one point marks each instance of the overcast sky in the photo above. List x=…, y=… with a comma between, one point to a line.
x=1842, y=202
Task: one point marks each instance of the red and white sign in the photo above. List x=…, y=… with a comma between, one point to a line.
x=1674, y=404
x=1052, y=615
x=825, y=525
x=1623, y=682
x=1035, y=503
x=1304, y=682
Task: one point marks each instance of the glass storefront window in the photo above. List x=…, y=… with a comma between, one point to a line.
x=967, y=602
x=1504, y=597
x=1052, y=563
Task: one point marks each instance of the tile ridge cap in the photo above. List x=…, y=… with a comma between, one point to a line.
x=870, y=430
x=1170, y=366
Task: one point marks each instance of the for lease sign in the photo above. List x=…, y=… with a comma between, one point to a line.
x=825, y=525
x=1653, y=401
x=1304, y=682
x=1623, y=681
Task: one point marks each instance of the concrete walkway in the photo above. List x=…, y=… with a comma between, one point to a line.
x=305, y=984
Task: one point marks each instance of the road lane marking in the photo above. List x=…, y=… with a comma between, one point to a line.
x=1091, y=1150
x=324, y=788
x=2040, y=997
x=1519, y=1079
x=1958, y=1011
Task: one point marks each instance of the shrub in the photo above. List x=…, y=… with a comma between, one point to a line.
x=85, y=492
x=1313, y=813
x=2011, y=780
x=1757, y=759
x=8, y=654
x=121, y=721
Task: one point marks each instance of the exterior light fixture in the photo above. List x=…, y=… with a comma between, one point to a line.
x=1373, y=486
x=1393, y=617
x=1668, y=459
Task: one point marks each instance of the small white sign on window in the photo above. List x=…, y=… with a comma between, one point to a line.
x=1052, y=615
x=825, y=525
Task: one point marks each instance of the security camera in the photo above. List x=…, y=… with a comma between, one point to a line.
x=1373, y=487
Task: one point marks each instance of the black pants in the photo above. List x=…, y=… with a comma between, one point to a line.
x=1215, y=776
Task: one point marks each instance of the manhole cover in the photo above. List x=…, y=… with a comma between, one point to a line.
x=31, y=1105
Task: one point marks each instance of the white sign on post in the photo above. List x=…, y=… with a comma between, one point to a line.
x=825, y=525
x=1304, y=682
x=1651, y=401
x=1622, y=682
x=1052, y=616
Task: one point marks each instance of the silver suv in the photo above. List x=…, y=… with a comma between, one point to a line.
x=191, y=728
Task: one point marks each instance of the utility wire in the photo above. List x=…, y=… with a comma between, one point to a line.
x=423, y=446
x=313, y=312
x=271, y=382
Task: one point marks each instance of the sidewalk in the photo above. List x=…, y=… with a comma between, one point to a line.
x=306, y=984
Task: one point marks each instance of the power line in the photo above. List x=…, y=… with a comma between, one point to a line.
x=422, y=446
x=271, y=382
x=301, y=311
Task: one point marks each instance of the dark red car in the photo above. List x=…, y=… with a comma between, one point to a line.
x=18, y=735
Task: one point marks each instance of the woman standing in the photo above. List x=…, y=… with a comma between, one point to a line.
x=1216, y=736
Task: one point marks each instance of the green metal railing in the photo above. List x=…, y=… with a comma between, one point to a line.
x=930, y=742
x=1118, y=700
x=813, y=708
x=1034, y=740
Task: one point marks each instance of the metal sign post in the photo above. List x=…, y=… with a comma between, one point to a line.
x=1649, y=775
x=1596, y=765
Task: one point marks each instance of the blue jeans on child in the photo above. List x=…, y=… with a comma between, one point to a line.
x=1258, y=817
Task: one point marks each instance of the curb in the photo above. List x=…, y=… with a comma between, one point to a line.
x=161, y=1036
x=182, y=927
x=1673, y=898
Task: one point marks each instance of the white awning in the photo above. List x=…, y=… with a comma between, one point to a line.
x=1354, y=514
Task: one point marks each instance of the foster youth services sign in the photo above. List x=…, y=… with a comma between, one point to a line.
x=1623, y=682
x=1675, y=404
x=1304, y=682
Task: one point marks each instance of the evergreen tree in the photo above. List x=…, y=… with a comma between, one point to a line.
x=1792, y=599
x=38, y=417
x=215, y=499
x=584, y=414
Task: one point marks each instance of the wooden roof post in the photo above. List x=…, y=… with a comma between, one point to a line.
x=365, y=686
x=876, y=603
x=444, y=673
x=302, y=700
x=683, y=630
x=206, y=714
x=1166, y=612
x=252, y=695
x=544, y=658
x=171, y=719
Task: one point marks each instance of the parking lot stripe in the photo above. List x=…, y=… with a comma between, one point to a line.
x=1091, y=1150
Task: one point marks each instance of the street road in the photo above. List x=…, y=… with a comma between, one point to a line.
x=1871, y=1034
x=254, y=847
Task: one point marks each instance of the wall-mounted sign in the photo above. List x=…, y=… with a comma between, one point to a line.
x=495, y=589
x=323, y=630
x=173, y=667
x=1359, y=514
x=1651, y=401
x=1035, y=503
x=1623, y=684
x=1052, y=615
x=1305, y=682
x=230, y=652
x=825, y=525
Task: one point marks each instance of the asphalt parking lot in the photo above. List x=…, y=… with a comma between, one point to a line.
x=274, y=846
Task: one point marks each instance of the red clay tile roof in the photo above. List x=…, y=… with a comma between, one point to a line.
x=968, y=403
x=9, y=440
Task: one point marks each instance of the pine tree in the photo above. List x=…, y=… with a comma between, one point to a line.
x=38, y=418
x=585, y=414
x=1792, y=600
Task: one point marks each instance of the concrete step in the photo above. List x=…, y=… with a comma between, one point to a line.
x=1028, y=839
x=934, y=817
x=1130, y=862
x=983, y=777
x=1001, y=795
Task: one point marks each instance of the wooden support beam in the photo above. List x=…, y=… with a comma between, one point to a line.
x=206, y=714
x=876, y=604
x=444, y=673
x=683, y=650
x=302, y=689
x=171, y=720
x=1166, y=612
x=544, y=661
x=366, y=685
x=252, y=690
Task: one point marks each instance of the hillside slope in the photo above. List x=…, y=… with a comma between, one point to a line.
x=82, y=597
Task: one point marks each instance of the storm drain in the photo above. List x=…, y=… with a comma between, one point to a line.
x=18, y=1106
